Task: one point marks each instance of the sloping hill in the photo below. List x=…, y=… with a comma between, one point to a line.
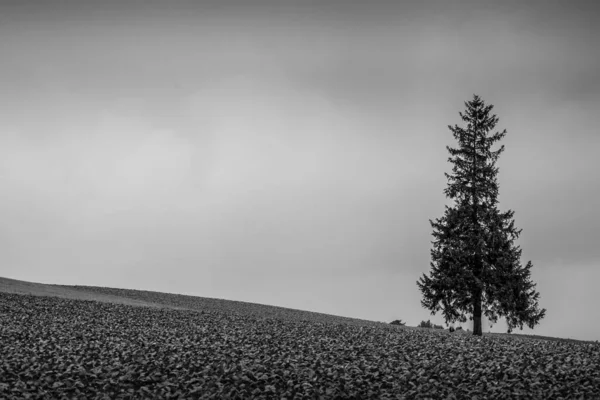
x=169, y=300
x=178, y=301
x=74, y=342
x=68, y=292
x=211, y=304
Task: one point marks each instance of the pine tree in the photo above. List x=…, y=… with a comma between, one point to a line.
x=475, y=264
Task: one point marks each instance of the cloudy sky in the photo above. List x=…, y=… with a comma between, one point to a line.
x=292, y=152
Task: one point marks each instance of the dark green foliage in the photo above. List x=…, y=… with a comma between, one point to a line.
x=475, y=264
x=428, y=324
x=398, y=322
x=424, y=324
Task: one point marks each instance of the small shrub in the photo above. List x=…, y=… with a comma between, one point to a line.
x=451, y=329
x=459, y=328
x=398, y=322
x=428, y=324
x=424, y=324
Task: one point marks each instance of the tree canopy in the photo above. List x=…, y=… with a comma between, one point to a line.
x=475, y=263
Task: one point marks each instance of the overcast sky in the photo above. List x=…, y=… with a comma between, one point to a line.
x=292, y=152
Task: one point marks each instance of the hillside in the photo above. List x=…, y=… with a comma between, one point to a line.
x=64, y=341
x=168, y=300
x=179, y=301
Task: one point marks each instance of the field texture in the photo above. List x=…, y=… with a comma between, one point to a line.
x=188, y=347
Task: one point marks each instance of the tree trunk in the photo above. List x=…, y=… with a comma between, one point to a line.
x=477, y=264
x=477, y=331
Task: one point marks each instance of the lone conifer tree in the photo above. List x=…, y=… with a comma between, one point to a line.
x=474, y=261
